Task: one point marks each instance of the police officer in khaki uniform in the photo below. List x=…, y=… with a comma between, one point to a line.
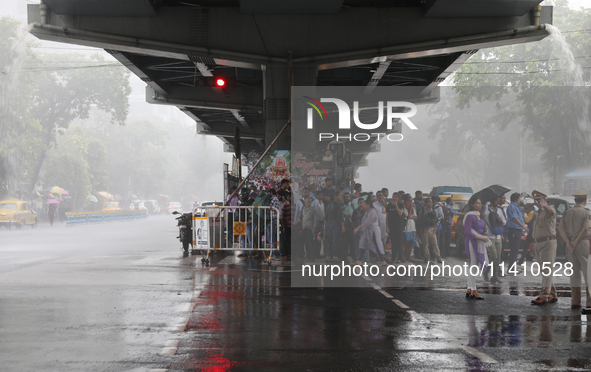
x=574, y=230
x=544, y=236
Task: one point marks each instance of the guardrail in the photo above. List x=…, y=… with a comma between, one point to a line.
x=236, y=228
x=83, y=218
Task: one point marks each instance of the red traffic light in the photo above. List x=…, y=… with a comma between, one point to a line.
x=219, y=82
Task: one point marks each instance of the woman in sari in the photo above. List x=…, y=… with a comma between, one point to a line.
x=476, y=243
x=370, y=235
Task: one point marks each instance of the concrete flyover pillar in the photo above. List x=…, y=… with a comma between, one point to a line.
x=278, y=79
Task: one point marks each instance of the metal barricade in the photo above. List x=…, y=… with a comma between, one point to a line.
x=236, y=228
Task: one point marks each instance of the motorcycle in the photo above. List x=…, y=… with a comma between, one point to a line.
x=185, y=229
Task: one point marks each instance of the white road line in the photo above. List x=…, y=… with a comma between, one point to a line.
x=386, y=294
x=400, y=304
x=158, y=370
x=212, y=269
x=187, y=307
x=180, y=326
x=418, y=316
x=470, y=350
x=170, y=348
x=367, y=278
x=379, y=289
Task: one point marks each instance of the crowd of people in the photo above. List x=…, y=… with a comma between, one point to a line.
x=332, y=222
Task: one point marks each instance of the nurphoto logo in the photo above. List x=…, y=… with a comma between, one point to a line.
x=393, y=109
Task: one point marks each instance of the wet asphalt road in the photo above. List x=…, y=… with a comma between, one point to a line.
x=123, y=297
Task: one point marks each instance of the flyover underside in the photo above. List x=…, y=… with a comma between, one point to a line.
x=179, y=50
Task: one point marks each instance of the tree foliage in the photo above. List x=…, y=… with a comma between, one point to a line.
x=41, y=95
x=538, y=92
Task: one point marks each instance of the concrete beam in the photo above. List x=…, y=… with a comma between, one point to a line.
x=243, y=135
x=238, y=98
x=353, y=36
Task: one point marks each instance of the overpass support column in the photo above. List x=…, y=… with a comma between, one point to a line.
x=278, y=79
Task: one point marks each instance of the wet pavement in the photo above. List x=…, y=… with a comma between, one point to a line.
x=124, y=297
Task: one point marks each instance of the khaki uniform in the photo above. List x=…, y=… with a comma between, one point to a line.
x=573, y=221
x=544, y=227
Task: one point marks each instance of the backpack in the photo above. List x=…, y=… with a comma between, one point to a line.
x=496, y=227
x=263, y=199
x=446, y=216
x=429, y=220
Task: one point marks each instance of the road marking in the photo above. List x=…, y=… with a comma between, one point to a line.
x=400, y=304
x=158, y=370
x=468, y=349
x=386, y=294
x=188, y=307
x=418, y=316
x=170, y=348
x=212, y=269
x=180, y=326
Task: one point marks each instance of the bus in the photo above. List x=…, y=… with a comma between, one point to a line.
x=577, y=180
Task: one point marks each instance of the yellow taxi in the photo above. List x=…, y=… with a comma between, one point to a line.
x=111, y=207
x=17, y=213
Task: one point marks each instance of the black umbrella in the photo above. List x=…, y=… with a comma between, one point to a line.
x=491, y=192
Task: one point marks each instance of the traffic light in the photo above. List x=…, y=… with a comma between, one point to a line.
x=220, y=82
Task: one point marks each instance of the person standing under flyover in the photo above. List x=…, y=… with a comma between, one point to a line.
x=429, y=224
x=574, y=230
x=496, y=226
x=516, y=226
x=544, y=236
x=476, y=244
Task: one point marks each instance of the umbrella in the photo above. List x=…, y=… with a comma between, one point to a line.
x=63, y=192
x=92, y=198
x=491, y=192
x=55, y=190
x=105, y=195
x=52, y=202
x=161, y=196
x=355, y=201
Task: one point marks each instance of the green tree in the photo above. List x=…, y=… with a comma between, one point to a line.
x=536, y=92
x=67, y=89
x=17, y=126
